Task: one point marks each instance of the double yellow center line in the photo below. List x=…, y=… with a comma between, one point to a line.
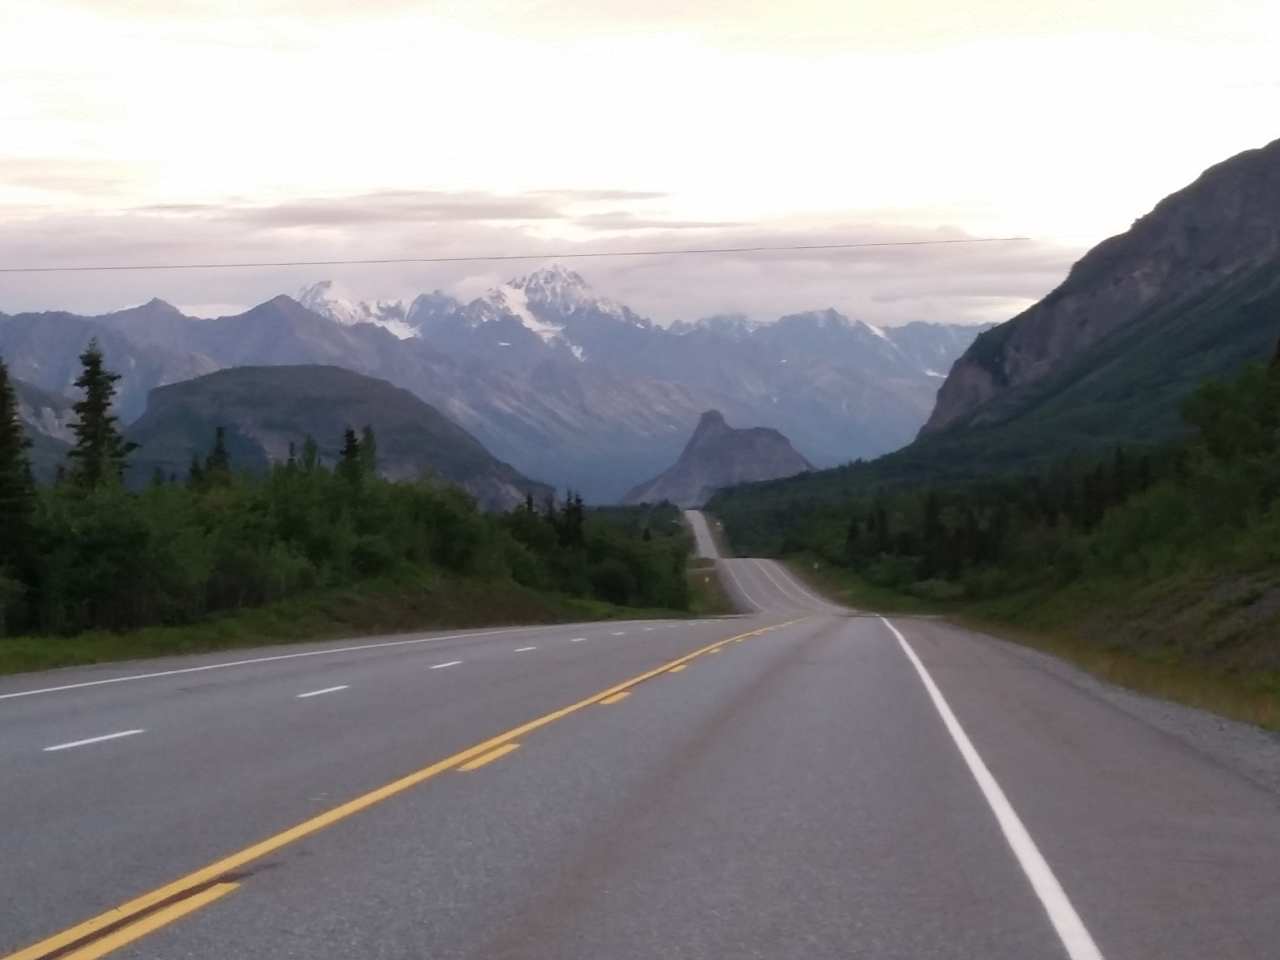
x=129, y=921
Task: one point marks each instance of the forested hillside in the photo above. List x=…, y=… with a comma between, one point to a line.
x=89, y=554
x=1173, y=550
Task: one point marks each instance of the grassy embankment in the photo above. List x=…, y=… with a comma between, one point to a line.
x=707, y=596
x=412, y=601
x=1188, y=638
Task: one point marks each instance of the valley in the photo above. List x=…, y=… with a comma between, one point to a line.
x=617, y=481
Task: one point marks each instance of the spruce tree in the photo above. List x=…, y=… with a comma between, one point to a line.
x=217, y=466
x=17, y=492
x=99, y=454
x=852, y=541
x=349, y=465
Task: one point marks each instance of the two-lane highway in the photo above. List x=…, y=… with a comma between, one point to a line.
x=795, y=781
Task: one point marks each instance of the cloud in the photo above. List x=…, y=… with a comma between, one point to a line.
x=426, y=207
x=60, y=174
x=626, y=220
x=889, y=285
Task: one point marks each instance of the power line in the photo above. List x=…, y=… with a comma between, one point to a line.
x=577, y=255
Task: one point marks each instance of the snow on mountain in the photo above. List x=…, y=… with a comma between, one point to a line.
x=563, y=291
x=328, y=300
x=874, y=329
x=515, y=300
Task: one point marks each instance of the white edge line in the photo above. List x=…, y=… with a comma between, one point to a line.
x=787, y=592
x=316, y=693
x=81, y=743
x=447, y=663
x=1070, y=928
x=792, y=579
x=741, y=589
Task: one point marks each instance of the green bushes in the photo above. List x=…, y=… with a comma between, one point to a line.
x=1212, y=502
x=88, y=554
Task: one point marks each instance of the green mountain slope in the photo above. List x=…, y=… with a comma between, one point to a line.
x=265, y=409
x=1191, y=292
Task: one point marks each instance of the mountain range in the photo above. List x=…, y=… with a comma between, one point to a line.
x=1191, y=292
x=716, y=456
x=566, y=385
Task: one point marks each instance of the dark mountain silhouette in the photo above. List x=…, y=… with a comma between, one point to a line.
x=264, y=409
x=717, y=455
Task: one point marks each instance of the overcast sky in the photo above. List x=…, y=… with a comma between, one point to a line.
x=169, y=131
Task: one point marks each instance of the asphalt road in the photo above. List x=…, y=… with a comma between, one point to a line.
x=810, y=783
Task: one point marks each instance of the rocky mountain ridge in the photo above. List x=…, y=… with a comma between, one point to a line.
x=550, y=376
x=1207, y=251
x=716, y=456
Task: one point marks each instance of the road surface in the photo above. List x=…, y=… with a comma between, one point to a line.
x=795, y=781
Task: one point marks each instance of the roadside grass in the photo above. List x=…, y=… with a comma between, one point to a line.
x=1206, y=639
x=707, y=595
x=418, y=600
x=1251, y=699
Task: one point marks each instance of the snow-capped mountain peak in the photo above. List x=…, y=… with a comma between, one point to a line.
x=563, y=291
x=330, y=300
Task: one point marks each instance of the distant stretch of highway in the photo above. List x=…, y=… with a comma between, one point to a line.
x=798, y=780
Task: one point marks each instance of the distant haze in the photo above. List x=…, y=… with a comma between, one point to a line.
x=203, y=131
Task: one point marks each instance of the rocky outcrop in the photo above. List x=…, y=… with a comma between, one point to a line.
x=1215, y=234
x=719, y=456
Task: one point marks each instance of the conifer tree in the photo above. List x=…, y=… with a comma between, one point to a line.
x=99, y=454
x=852, y=539
x=17, y=492
x=349, y=464
x=572, y=520
x=217, y=466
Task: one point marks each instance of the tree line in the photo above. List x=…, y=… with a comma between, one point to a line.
x=1213, y=497
x=86, y=553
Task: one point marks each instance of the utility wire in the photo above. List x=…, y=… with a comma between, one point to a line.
x=87, y=268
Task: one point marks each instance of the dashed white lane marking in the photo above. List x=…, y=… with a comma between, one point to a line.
x=84, y=743
x=578, y=640
x=1070, y=928
x=525, y=649
x=619, y=633
x=382, y=644
x=447, y=663
x=317, y=693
